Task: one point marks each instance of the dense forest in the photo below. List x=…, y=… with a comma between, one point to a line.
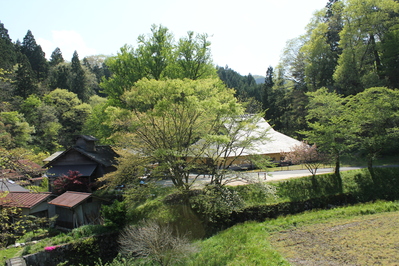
x=349, y=46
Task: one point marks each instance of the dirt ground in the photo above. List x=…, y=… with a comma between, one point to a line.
x=366, y=240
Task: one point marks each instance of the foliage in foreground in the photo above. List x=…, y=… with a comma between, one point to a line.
x=155, y=242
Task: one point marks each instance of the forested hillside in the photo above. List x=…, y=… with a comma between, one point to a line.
x=348, y=47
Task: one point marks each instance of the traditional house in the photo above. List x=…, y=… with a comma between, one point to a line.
x=92, y=161
x=259, y=139
x=75, y=209
x=30, y=203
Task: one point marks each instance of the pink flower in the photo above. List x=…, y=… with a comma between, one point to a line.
x=50, y=248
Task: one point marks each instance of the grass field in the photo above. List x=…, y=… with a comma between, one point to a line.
x=364, y=234
x=366, y=240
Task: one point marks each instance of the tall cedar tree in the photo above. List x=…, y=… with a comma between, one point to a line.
x=25, y=78
x=78, y=79
x=267, y=89
x=8, y=55
x=56, y=57
x=35, y=55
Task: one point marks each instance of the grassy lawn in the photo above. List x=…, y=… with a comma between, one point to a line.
x=364, y=234
x=6, y=254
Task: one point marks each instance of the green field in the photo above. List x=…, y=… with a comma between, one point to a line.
x=365, y=234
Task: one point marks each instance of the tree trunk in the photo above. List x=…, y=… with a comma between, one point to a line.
x=337, y=172
x=370, y=166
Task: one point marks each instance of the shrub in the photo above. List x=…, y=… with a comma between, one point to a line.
x=88, y=230
x=155, y=242
x=115, y=214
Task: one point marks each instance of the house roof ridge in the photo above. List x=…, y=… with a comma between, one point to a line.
x=77, y=192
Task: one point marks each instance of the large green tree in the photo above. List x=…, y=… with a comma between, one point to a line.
x=25, y=78
x=374, y=116
x=78, y=83
x=158, y=57
x=366, y=25
x=8, y=54
x=194, y=57
x=47, y=126
x=15, y=132
x=327, y=125
x=56, y=57
x=167, y=117
x=35, y=55
x=70, y=112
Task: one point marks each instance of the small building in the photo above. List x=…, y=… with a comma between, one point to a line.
x=91, y=160
x=30, y=203
x=75, y=209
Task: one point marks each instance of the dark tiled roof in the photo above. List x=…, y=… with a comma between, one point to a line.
x=104, y=155
x=70, y=199
x=87, y=137
x=23, y=199
x=53, y=156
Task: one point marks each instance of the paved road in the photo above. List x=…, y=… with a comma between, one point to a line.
x=241, y=178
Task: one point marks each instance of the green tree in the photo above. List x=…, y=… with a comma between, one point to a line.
x=390, y=57
x=8, y=55
x=35, y=55
x=78, y=83
x=194, y=57
x=7, y=89
x=168, y=117
x=245, y=86
x=59, y=76
x=46, y=123
x=366, y=24
x=327, y=125
x=156, y=52
x=157, y=57
x=99, y=121
x=319, y=59
x=24, y=78
x=14, y=130
x=56, y=57
x=70, y=112
x=236, y=137
x=268, y=89
x=374, y=117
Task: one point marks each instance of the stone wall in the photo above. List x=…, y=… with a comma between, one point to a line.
x=86, y=251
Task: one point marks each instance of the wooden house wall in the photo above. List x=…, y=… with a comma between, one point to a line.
x=65, y=217
x=82, y=214
x=73, y=157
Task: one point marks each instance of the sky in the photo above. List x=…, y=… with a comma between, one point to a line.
x=248, y=36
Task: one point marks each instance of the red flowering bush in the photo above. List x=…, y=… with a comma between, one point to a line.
x=72, y=182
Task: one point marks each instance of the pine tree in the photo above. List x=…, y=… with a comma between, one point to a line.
x=25, y=79
x=78, y=78
x=56, y=57
x=267, y=88
x=35, y=55
x=8, y=55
